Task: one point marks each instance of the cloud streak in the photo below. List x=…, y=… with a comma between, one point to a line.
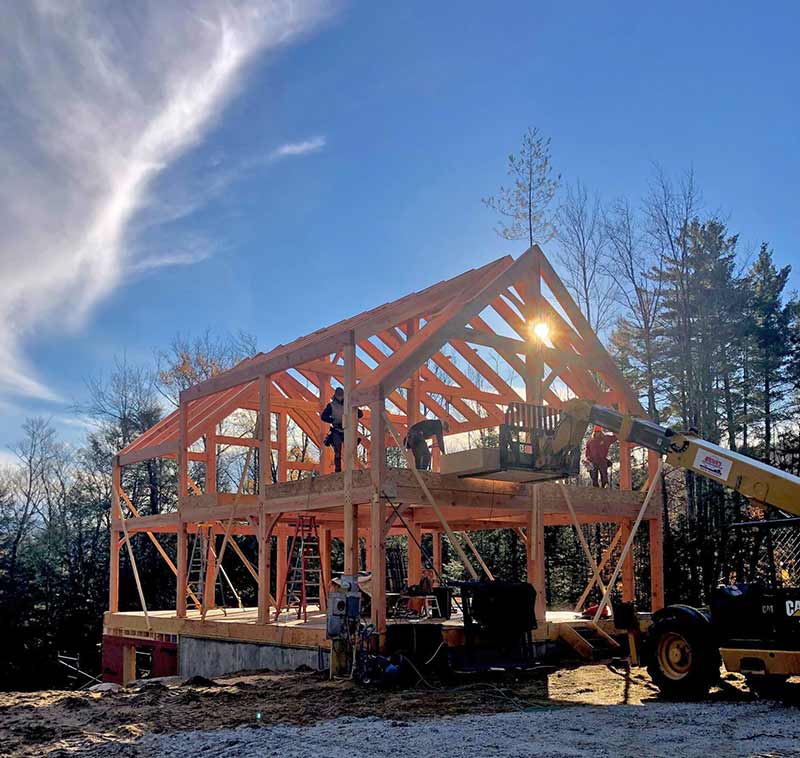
x=299, y=148
x=101, y=99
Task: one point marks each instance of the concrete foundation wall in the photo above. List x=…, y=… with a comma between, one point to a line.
x=209, y=658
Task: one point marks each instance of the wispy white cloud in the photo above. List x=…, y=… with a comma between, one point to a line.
x=99, y=99
x=305, y=147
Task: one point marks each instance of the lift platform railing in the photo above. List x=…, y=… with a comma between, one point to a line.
x=524, y=436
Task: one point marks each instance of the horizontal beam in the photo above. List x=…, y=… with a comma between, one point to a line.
x=268, y=364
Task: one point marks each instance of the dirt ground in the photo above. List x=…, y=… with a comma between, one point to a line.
x=61, y=723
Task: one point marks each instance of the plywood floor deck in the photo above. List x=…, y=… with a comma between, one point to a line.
x=288, y=631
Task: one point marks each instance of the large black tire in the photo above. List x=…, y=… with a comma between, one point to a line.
x=767, y=686
x=683, y=660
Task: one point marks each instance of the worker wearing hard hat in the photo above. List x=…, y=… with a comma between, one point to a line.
x=597, y=456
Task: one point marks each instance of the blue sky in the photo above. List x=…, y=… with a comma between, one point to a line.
x=326, y=158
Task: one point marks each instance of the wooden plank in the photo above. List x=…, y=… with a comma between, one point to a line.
x=580, y=645
x=264, y=440
x=350, y=515
x=535, y=553
x=181, y=579
x=116, y=514
x=378, y=519
x=656, y=526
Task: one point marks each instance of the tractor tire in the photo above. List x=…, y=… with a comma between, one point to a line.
x=683, y=662
x=767, y=686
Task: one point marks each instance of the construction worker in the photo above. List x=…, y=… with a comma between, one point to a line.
x=417, y=440
x=333, y=415
x=597, y=456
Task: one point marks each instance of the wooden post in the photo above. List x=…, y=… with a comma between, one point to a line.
x=180, y=576
x=182, y=455
x=535, y=554
x=282, y=449
x=264, y=435
x=412, y=393
x=209, y=588
x=367, y=551
x=264, y=566
x=348, y=453
x=378, y=518
x=414, y=554
x=656, y=563
x=437, y=552
x=280, y=574
x=625, y=478
x=325, y=564
x=534, y=363
x=628, y=577
x=116, y=515
x=652, y=466
x=325, y=453
x=211, y=459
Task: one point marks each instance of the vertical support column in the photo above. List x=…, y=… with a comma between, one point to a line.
x=116, y=537
x=211, y=459
x=325, y=453
x=280, y=573
x=209, y=589
x=628, y=576
x=180, y=578
x=535, y=554
x=378, y=518
x=652, y=466
x=264, y=566
x=437, y=552
x=534, y=363
x=414, y=554
x=183, y=486
x=412, y=394
x=325, y=566
x=625, y=477
x=182, y=456
x=350, y=510
x=656, y=563
x=282, y=449
x=436, y=459
x=264, y=435
x=367, y=551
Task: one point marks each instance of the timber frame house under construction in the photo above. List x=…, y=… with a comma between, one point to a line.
x=393, y=363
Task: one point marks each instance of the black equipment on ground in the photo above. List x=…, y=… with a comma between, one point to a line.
x=499, y=618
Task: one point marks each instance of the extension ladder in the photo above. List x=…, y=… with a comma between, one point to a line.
x=201, y=567
x=304, y=573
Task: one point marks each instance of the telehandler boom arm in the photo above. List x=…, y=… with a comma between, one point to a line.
x=753, y=479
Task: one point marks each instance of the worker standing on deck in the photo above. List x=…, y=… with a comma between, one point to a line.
x=333, y=415
x=597, y=456
x=417, y=440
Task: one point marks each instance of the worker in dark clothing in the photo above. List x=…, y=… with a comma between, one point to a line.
x=597, y=456
x=333, y=415
x=417, y=440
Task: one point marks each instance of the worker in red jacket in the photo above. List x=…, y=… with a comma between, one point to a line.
x=597, y=456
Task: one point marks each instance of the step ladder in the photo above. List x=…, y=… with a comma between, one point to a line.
x=304, y=573
x=200, y=571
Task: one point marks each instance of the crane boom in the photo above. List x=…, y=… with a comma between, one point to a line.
x=753, y=479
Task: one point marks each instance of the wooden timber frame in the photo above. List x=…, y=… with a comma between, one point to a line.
x=397, y=363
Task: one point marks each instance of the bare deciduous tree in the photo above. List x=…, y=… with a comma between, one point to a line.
x=523, y=206
x=582, y=254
